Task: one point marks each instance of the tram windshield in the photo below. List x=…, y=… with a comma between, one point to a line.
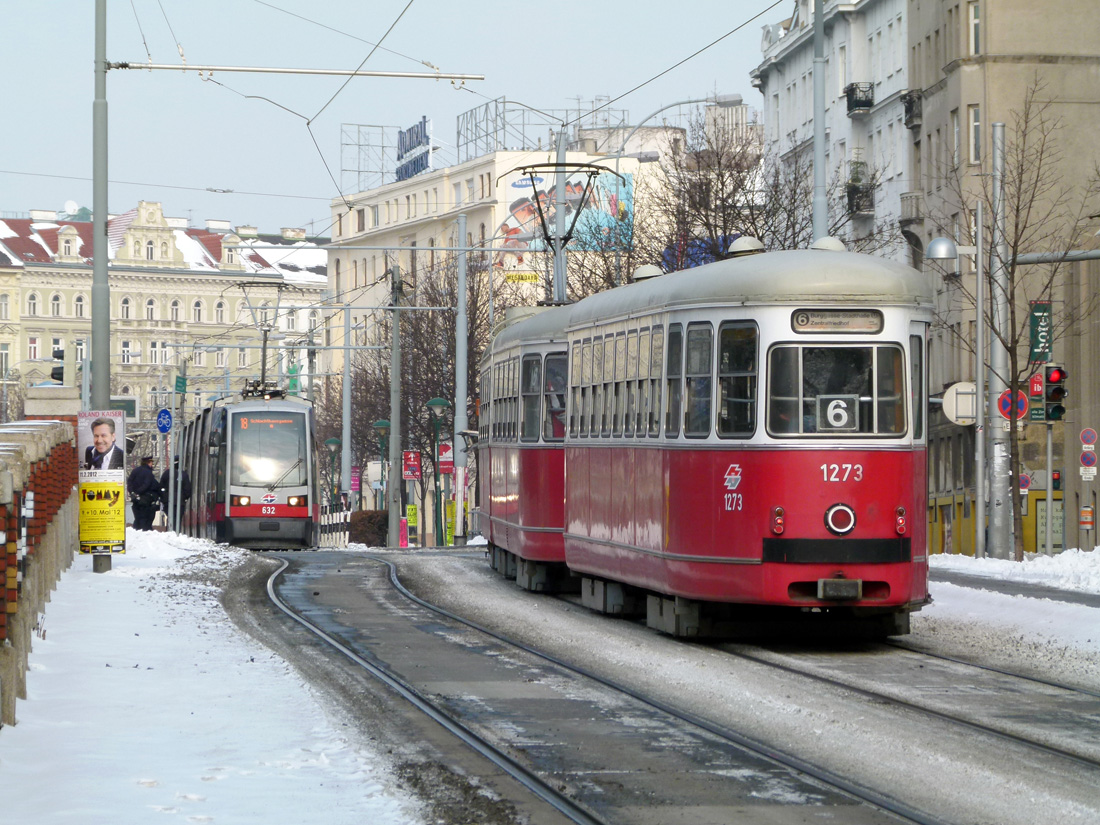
x=269, y=449
x=834, y=390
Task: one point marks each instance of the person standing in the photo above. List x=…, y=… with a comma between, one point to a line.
x=144, y=494
x=167, y=483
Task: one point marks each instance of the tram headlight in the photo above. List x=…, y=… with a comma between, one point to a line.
x=899, y=521
x=298, y=501
x=779, y=521
x=240, y=501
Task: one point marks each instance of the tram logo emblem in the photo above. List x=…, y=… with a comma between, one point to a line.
x=733, y=476
x=268, y=498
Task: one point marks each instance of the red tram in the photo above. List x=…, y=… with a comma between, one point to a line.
x=746, y=433
x=253, y=468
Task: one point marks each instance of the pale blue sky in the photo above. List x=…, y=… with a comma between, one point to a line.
x=179, y=135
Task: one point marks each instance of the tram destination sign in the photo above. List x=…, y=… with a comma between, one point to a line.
x=861, y=321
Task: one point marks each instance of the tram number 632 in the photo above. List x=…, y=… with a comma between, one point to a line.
x=841, y=472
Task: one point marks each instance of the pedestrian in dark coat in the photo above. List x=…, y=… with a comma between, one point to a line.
x=144, y=494
x=168, y=482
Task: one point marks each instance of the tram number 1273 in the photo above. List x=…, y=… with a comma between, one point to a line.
x=841, y=472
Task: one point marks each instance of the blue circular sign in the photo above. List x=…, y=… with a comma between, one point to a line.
x=1088, y=459
x=164, y=421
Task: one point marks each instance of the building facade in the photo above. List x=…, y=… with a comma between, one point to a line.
x=183, y=299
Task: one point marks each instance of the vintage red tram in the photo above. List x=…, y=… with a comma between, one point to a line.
x=746, y=433
x=253, y=467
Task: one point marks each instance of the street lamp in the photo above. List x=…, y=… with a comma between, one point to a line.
x=382, y=427
x=437, y=407
x=944, y=249
x=333, y=445
x=721, y=101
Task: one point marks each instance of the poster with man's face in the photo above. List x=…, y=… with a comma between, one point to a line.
x=101, y=457
x=101, y=440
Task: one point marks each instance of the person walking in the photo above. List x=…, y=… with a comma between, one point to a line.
x=144, y=494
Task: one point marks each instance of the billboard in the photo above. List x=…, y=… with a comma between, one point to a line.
x=607, y=212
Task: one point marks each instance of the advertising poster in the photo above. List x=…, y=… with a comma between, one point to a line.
x=101, y=453
x=606, y=214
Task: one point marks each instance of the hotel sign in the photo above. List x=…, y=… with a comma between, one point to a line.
x=408, y=142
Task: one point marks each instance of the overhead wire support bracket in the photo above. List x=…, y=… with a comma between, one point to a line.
x=176, y=67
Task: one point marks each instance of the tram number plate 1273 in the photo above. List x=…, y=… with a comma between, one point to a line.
x=734, y=502
x=841, y=472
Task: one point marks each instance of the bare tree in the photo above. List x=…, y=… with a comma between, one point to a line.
x=1045, y=210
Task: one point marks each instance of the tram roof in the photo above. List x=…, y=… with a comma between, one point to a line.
x=786, y=277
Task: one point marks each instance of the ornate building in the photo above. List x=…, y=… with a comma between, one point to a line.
x=182, y=299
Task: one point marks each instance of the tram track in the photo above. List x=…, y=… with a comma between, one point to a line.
x=1051, y=718
x=673, y=721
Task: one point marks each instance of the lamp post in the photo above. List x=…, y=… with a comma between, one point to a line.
x=382, y=427
x=722, y=101
x=940, y=249
x=437, y=407
x=333, y=445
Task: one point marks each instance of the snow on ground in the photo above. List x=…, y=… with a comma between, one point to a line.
x=145, y=701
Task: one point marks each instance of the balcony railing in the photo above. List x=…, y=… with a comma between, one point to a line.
x=912, y=208
x=861, y=97
x=911, y=101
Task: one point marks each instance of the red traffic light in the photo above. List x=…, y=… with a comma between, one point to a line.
x=1055, y=375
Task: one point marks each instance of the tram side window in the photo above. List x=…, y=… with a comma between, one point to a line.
x=620, y=384
x=836, y=390
x=737, y=345
x=553, y=424
x=641, y=406
x=698, y=381
x=575, y=389
x=656, y=362
x=531, y=396
x=916, y=351
x=608, y=385
x=673, y=374
x=597, y=386
x=586, y=387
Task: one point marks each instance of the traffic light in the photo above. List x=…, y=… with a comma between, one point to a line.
x=58, y=373
x=1054, y=392
x=1055, y=479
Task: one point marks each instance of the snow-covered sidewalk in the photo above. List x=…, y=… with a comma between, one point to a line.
x=145, y=700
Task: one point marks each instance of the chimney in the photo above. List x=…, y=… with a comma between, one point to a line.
x=247, y=232
x=43, y=215
x=220, y=227
x=292, y=234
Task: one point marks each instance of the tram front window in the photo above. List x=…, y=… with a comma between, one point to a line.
x=836, y=390
x=269, y=450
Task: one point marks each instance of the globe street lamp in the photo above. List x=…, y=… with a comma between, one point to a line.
x=382, y=427
x=333, y=445
x=437, y=407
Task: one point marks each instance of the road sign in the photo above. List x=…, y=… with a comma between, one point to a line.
x=1088, y=459
x=960, y=403
x=181, y=383
x=410, y=465
x=164, y=421
x=446, y=458
x=1088, y=517
x=1005, y=405
x=1088, y=436
x=1025, y=482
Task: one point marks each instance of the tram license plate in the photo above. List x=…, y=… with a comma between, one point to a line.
x=839, y=589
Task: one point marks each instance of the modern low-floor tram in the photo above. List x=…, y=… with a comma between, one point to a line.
x=253, y=467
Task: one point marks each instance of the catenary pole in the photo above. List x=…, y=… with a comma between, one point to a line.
x=461, y=393
x=820, y=203
x=101, y=289
x=1001, y=545
x=393, y=492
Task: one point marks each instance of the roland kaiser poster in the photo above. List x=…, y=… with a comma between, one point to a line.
x=100, y=446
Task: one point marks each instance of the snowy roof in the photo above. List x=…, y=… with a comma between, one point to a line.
x=26, y=241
